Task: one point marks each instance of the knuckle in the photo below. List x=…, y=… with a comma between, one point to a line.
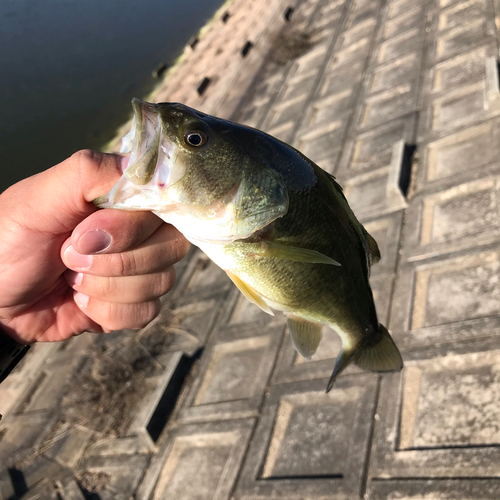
x=106, y=287
x=130, y=316
x=127, y=264
x=166, y=281
x=87, y=158
x=148, y=312
x=154, y=310
x=88, y=162
x=182, y=248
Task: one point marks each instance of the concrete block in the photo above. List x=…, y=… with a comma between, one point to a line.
x=328, y=109
x=371, y=150
x=309, y=62
x=233, y=375
x=437, y=489
x=351, y=54
x=385, y=106
x=397, y=46
x=454, y=219
x=467, y=68
x=366, y=193
x=309, y=444
x=198, y=462
x=21, y=434
x=464, y=155
x=341, y=80
x=461, y=38
x=446, y=412
x=299, y=86
x=404, y=22
x=322, y=142
x=183, y=328
x=285, y=111
x=460, y=14
x=458, y=108
x=393, y=74
x=357, y=31
x=363, y=19
x=448, y=300
x=24, y=378
x=398, y=8
x=68, y=444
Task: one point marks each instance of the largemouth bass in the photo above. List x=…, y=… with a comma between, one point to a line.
x=278, y=224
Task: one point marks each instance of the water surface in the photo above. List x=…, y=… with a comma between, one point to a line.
x=69, y=68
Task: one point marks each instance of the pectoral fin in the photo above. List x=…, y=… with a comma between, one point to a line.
x=250, y=293
x=306, y=336
x=280, y=251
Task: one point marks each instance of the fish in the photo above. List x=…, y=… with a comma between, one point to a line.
x=275, y=222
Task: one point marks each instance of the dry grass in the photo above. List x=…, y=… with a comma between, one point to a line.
x=290, y=43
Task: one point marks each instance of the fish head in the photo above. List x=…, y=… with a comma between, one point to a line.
x=194, y=171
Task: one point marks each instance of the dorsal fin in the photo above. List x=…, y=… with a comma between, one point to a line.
x=372, y=248
x=370, y=245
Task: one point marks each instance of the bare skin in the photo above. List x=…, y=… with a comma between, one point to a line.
x=67, y=267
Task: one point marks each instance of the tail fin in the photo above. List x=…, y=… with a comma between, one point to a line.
x=382, y=355
x=379, y=354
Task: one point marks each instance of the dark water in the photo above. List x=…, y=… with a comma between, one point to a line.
x=69, y=68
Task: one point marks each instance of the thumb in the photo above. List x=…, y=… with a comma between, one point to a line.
x=38, y=215
x=59, y=198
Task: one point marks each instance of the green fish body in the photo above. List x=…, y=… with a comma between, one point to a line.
x=278, y=224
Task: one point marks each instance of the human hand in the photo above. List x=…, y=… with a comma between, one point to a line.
x=67, y=267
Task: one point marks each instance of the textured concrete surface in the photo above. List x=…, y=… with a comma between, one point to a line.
x=210, y=401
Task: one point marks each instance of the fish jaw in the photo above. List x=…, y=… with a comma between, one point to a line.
x=152, y=168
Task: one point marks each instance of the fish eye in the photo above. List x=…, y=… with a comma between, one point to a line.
x=195, y=138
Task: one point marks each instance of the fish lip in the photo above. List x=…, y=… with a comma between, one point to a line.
x=143, y=142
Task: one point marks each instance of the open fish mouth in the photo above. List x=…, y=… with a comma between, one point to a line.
x=148, y=175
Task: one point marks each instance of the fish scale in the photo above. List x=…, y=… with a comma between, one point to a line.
x=279, y=225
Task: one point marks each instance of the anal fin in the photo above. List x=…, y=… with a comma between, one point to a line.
x=250, y=293
x=306, y=335
x=343, y=359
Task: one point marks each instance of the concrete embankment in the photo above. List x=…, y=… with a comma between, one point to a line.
x=399, y=99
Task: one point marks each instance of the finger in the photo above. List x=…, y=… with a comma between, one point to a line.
x=160, y=251
x=61, y=197
x=113, y=231
x=111, y=316
x=123, y=290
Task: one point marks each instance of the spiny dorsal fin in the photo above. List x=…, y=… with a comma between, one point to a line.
x=370, y=245
x=306, y=335
x=374, y=252
x=250, y=293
